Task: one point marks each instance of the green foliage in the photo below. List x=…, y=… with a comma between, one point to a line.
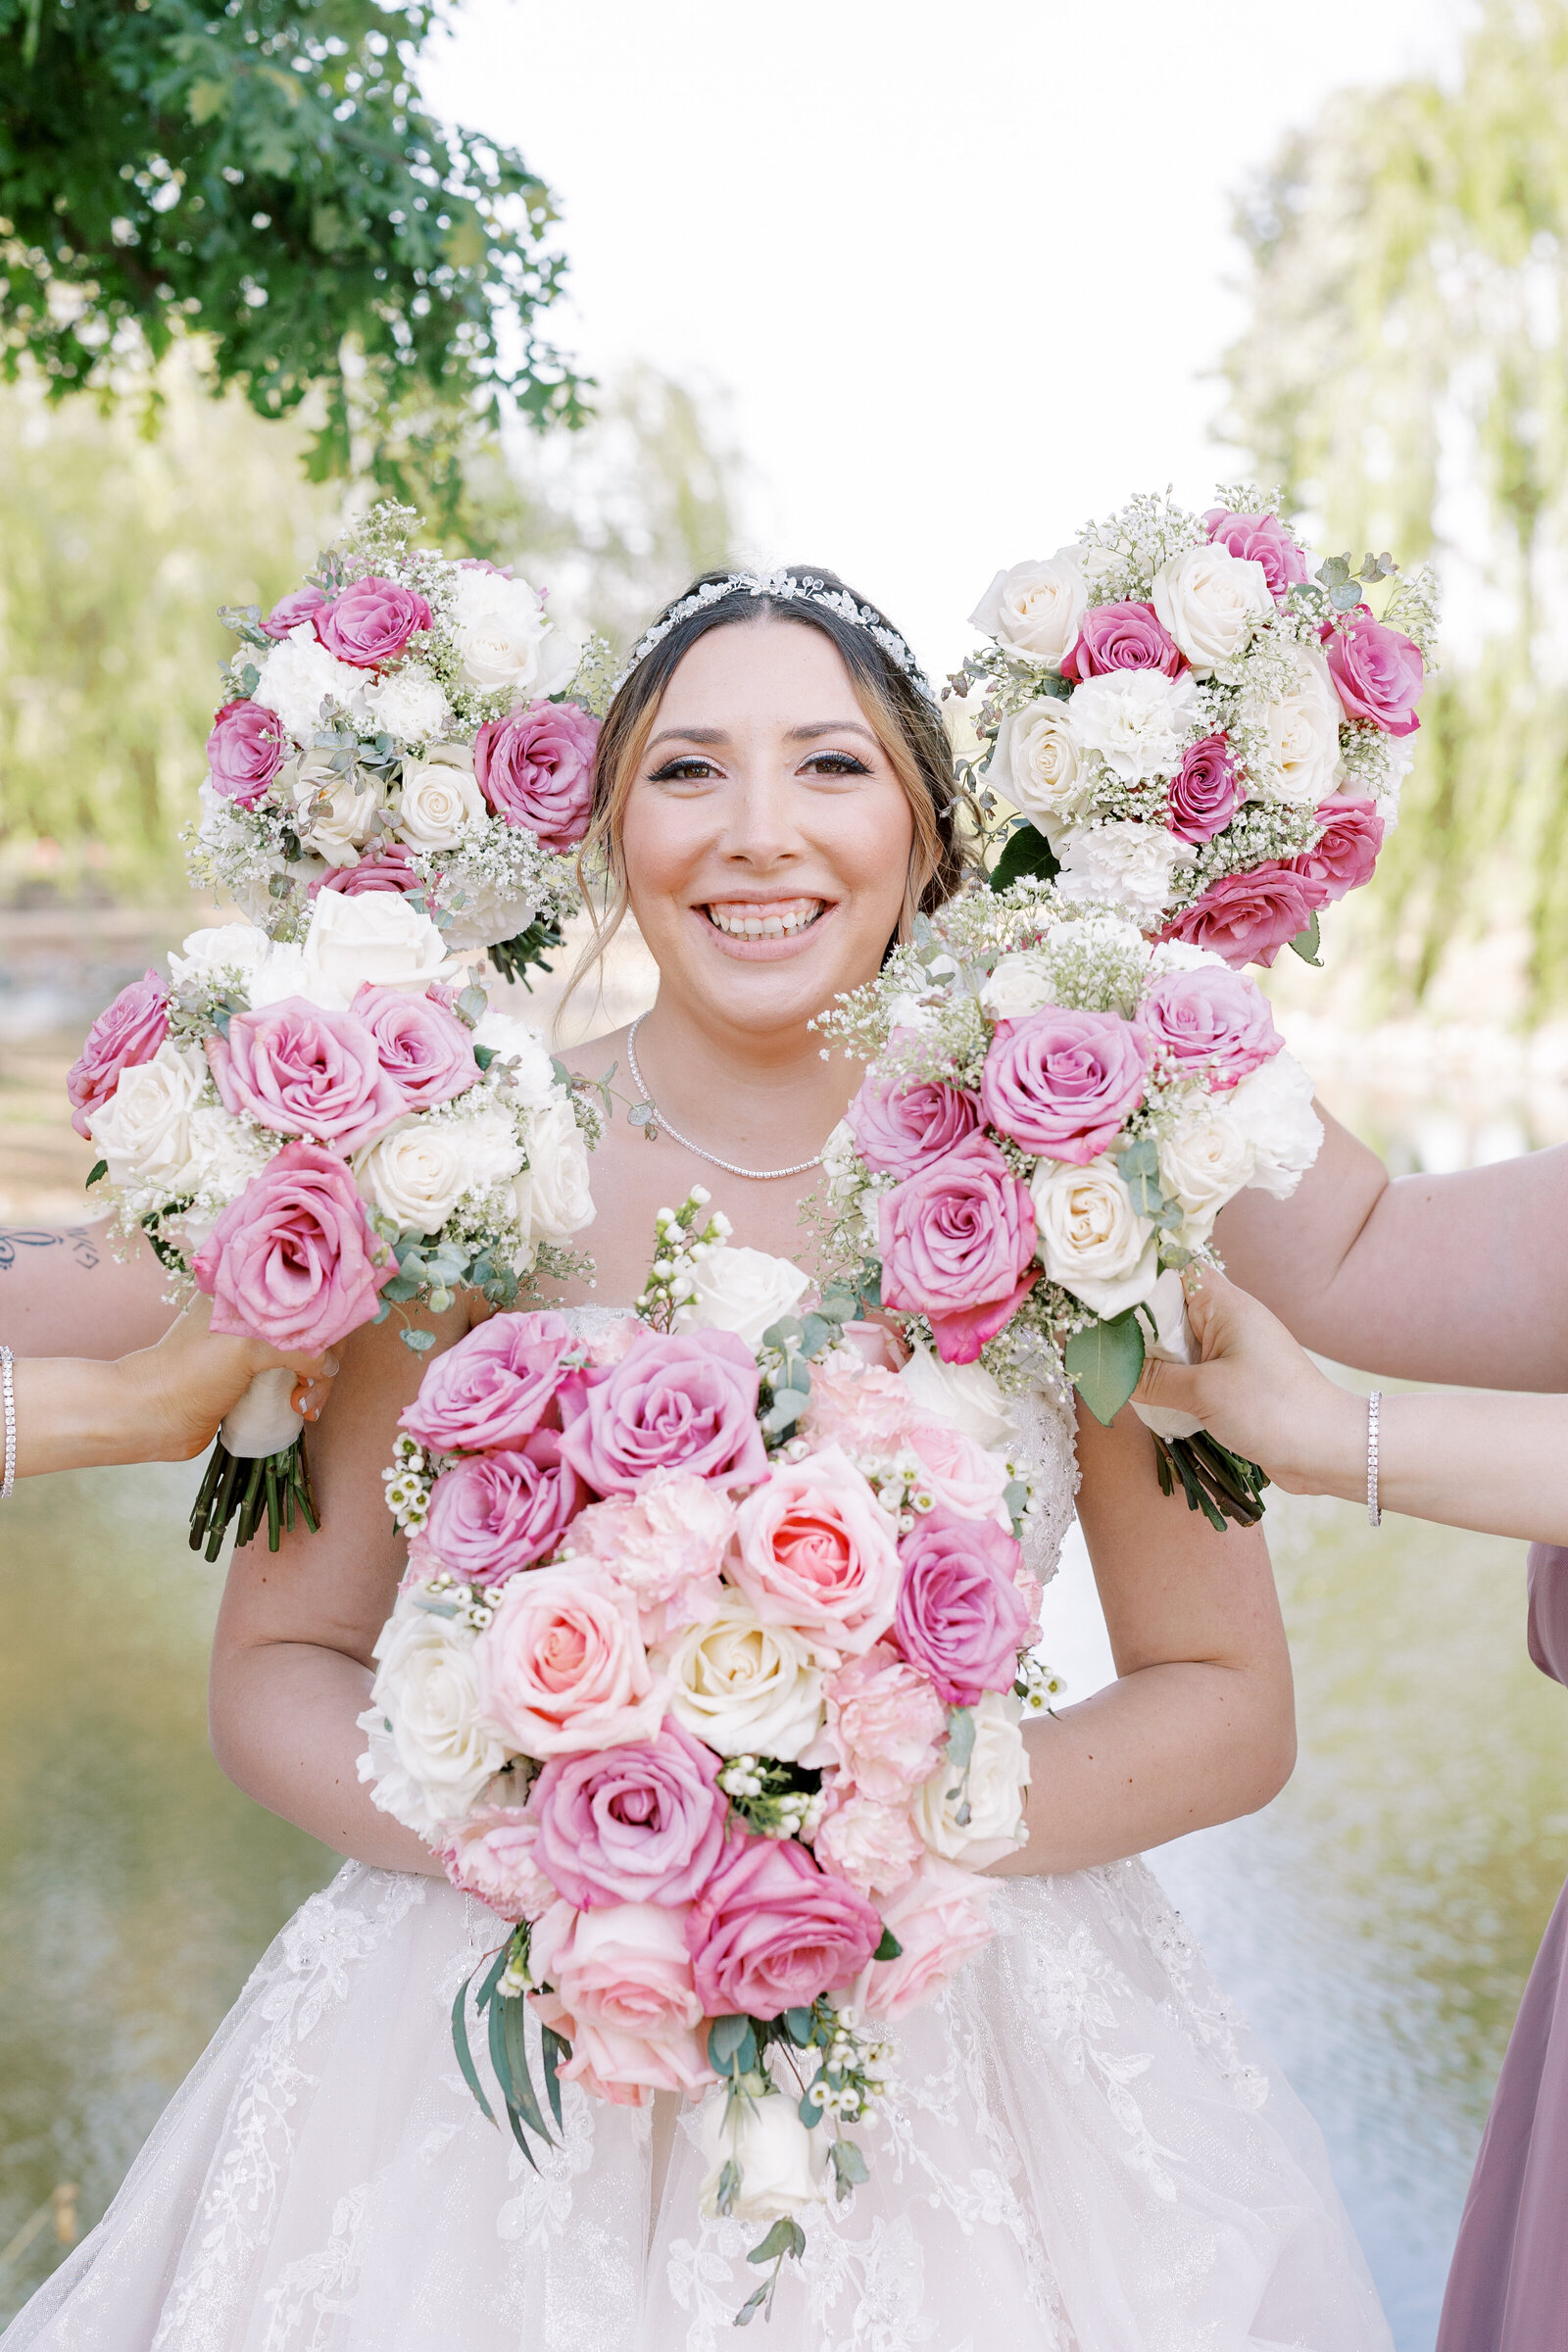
x=1408, y=355
x=265, y=174
x=1103, y=1362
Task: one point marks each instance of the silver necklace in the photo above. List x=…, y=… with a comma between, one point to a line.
x=646, y=1114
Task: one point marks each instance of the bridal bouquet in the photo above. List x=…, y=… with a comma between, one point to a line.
x=1198, y=726
x=1056, y=1111
x=317, y=1131
x=398, y=725
x=707, y=1674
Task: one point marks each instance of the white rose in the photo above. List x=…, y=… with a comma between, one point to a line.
x=1203, y=1160
x=531, y=1074
x=143, y=1130
x=1137, y=720
x=780, y=2160
x=336, y=810
x=1303, y=734
x=1273, y=1109
x=992, y=1787
x=559, y=1202
x=284, y=972
x=435, y=802
x=1035, y=608
x=1399, y=757
x=410, y=704
x=222, y=951
x=298, y=676
x=375, y=937
x=1207, y=600
x=1125, y=861
x=1172, y=1344
x=1092, y=1241
x=1020, y=986
x=417, y=1172
x=966, y=1394
x=431, y=1751
x=744, y=1688
x=504, y=641
x=743, y=1291
x=1035, y=764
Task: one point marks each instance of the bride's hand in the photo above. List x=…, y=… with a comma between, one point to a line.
x=175, y=1394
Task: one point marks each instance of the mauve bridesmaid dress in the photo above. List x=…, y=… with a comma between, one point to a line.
x=1508, y=2287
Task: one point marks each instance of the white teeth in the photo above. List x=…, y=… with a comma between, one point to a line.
x=764, y=926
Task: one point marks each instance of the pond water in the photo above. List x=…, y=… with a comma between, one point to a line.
x=1377, y=1921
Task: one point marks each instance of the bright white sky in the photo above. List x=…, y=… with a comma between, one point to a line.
x=958, y=269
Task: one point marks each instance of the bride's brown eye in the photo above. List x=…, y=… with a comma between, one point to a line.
x=836, y=763
x=690, y=769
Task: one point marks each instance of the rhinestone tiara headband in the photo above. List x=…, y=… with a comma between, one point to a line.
x=789, y=588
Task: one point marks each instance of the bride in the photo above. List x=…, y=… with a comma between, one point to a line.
x=1086, y=2152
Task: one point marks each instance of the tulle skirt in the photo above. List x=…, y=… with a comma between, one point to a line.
x=1086, y=2152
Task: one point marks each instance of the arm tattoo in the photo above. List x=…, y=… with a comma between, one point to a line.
x=78, y=1239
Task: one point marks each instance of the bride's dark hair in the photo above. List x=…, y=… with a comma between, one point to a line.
x=909, y=727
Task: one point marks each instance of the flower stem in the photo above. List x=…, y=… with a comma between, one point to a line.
x=248, y=1489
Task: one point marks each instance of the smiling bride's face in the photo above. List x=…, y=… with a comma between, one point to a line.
x=767, y=836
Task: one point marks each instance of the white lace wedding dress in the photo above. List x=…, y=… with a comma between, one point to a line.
x=1086, y=2153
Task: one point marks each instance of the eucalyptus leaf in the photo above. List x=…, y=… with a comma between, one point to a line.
x=729, y=2185
x=960, y=1738
x=752, y=2306
x=849, y=2168
x=1307, y=942
x=418, y=1343
x=798, y=2026
x=1103, y=1363
x=725, y=2037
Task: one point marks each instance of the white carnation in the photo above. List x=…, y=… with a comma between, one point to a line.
x=1124, y=861
x=1137, y=720
x=743, y=1291
x=492, y=1147
x=410, y=704
x=1207, y=600
x=298, y=676
x=1035, y=608
x=1273, y=1110
x=531, y=1074
x=1092, y=1240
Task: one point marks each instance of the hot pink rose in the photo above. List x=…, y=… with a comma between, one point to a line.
x=622, y=1979
x=664, y=1547
x=301, y=604
x=1377, y=674
x=884, y=1724
x=874, y=1846
x=1259, y=539
x=494, y=1513
x=244, y=753
x=902, y=1124
x=388, y=869
x=293, y=1260
x=680, y=1400
x=561, y=1667
x=958, y=1243
x=127, y=1033
x=491, y=1855
x=424, y=1049
x=1062, y=1082
x=536, y=768
x=1345, y=854
x=371, y=622
x=1122, y=636
x=771, y=1931
x=1249, y=918
x=958, y=1474
x=816, y=1550
x=939, y=1916
x=643, y=1824
x=1205, y=791
x=961, y=1617
x=494, y=1388
x=1211, y=1020
x=303, y=1070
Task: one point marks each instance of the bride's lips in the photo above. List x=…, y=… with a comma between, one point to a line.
x=766, y=936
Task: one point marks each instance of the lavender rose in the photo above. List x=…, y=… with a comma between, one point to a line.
x=126, y=1034
x=634, y=1824
x=423, y=1049
x=303, y=1070
x=244, y=753
x=1377, y=674
x=771, y=1932
x=536, y=768
x=371, y=622
x=1247, y=919
x=494, y=1388
x=492, y=1513
x=1210, y=1018
x=1122, y=636
x=1063, y=1081
x=301, y=604
x=678, y=1400
x=1261, y=539
x=958, y=1241
x=902, y=1124
x=961, y=1617
x=1344, y=855
x=388, y=869
x=293, y=1260
x=1205, y=791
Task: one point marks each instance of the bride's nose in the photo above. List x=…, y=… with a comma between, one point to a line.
x=759, y=829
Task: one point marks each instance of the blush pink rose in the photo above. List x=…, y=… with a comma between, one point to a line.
x=957, y=1243
x=1247, y=919
x=884, y=1726
x=1122, y=636
x=1062, y=1082
x=303, y=1070
x=561, y=1667
x=1205, y=791
x=494, y=1388
x=536, y=768
x=1342, y=856
x=621, y=1981
x=1211, y=1020
x=371, y=622
x=293, y=1260
x=425, y=1049
x=664, y=1547
x=301, y=604
x=1377, y=674
x=902, y=1124
x=939, y=1916
x=814, y=1549
x=1259, y=539
x=771, y=1931
x=958, y=1474
x=873, y=1845
x=680, y=1400
x=126, y=1034
x=494, y=1513
x=387, y=870
x=642, y=1824
x=491, y=1856
x=244, y=753
x=961, y=1617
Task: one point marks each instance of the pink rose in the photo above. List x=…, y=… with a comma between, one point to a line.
x=680, y=1400
x=958, y=1474
x=816, y=1550
x=491, y=1856
x=303, y=1070
x=874, y=1846
x=561, y=1665
x=388, y=869
x=494, y=1388
x=1122, y=636
x=301, y=604
x=423, y=1049
x=958, y=1241
x=869, y=1411
x=1377, y=674
x=1259, y=539
x=1205, y=791
x=961, y=1617
x=494, y=1513
x=126, y=1034
x=1211, y=1020
x=293, y=1260
x=1345, y=854
x=1062, y=1083
x=1247, y=918
x=643, y=1824
x=771, y=1931
x=664, y=1547
x=371, y=622
x=536, y=768
x=244, y=753
x=902, y=1124
x=623, y=1982
x=884, y=1725
x=939, y=1918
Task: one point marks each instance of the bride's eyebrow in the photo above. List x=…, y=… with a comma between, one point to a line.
x=688, y=735
x=829, y=727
